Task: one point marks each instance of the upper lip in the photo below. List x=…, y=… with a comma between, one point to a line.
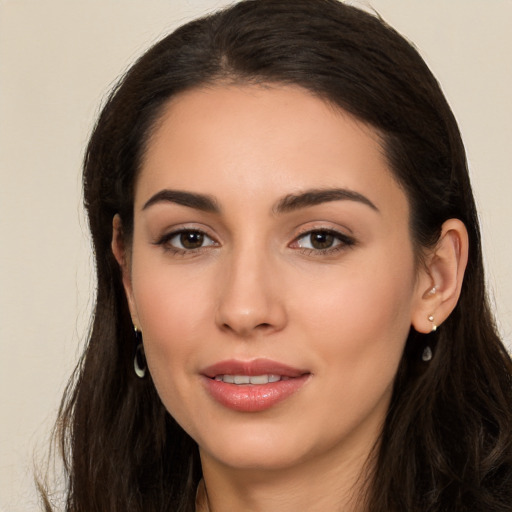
x=252, y=368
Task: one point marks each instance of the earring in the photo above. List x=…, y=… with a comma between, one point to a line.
x=427, y=354
x=432, y=291
x=139, y=361
x=427, y=351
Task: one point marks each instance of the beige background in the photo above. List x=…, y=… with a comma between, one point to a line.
x=57, y=61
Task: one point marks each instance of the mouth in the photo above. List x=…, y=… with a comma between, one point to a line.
x=252, y=386
x=257, y=368
x=255, y=380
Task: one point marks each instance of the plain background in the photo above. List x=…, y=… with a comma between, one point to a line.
x=58, y=59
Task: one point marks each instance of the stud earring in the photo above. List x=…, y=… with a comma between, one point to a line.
x=432, y=291
x=139, y=361
x=434, y=326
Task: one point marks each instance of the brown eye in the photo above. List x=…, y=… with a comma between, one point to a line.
x=191, y=239
x=186, y=240
x=321, y=239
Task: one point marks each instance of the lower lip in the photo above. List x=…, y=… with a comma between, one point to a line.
x=253, y=397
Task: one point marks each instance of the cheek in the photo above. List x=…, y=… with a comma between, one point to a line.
x=172, y=311
x=359, y=334
x=169, y=299
x=361, y=318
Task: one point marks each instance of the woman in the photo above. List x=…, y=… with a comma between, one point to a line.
x=291, y=310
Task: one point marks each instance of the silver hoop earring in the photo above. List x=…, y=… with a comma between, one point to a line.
x=139, y=361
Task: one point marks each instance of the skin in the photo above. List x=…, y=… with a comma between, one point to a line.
x=259, y=288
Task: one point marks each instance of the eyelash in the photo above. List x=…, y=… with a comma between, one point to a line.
x=343, y=242
x=165, y=242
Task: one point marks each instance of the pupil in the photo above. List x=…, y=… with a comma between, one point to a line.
x=322, y=240
x=191, y=240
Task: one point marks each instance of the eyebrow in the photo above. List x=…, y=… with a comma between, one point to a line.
x=289, y=203
x=202, y=202
x=314, y=197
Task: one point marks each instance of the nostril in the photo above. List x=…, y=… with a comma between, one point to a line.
x=245, y=330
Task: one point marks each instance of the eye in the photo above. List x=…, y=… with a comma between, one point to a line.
x=186, y=240
x=323, y=240
x=318, y=240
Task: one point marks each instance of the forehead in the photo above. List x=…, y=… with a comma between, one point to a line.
x=254, y=142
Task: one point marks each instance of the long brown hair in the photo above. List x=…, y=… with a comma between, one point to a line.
x=447, y=441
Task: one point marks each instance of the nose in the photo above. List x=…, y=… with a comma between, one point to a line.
x=251, y=296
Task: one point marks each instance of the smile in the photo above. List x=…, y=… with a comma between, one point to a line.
x=250, y=379
x=252, y=386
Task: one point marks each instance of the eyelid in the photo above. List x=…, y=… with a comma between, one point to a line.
x=344, y=241
x=167, y=236
x=309, y=228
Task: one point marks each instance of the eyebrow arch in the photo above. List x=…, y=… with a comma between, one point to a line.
x=191, y=199
x=314, y=197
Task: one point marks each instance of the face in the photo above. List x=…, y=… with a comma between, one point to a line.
x=272, y=275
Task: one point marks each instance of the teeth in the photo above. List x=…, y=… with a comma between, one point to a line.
x=246, y=379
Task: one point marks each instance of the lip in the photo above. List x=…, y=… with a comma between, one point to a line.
x=252, y=368
x=253, y=398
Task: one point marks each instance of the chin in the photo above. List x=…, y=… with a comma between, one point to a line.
x=256, y=458
x=259, y=448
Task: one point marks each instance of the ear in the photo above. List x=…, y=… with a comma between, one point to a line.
x=122, y=256
x=440, y=282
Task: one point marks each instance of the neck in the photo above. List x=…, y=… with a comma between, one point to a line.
x=332, y=484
